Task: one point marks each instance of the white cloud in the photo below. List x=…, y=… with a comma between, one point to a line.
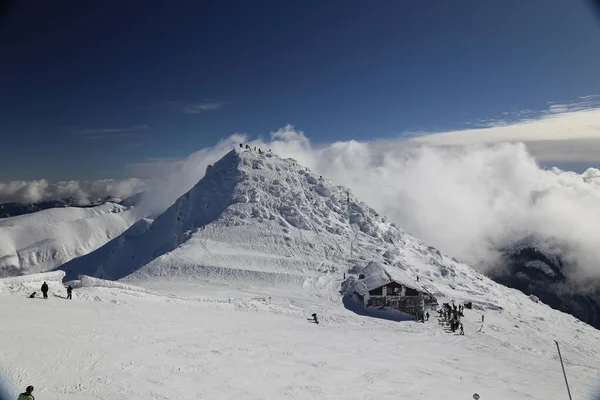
x=572, y=125
x=83, y=192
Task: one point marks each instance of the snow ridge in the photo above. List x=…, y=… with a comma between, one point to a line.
x=43, y=240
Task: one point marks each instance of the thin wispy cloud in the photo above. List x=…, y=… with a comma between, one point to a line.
x=101, y=133
x=562, y=132
x=517, y=116
x=193, y=108
x=200, y=107
x=154, y=166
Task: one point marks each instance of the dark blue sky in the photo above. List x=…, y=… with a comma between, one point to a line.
x=87, y=87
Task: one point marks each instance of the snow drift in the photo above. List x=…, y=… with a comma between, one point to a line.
x=27, y=284
x=55, y=276
x=88, y=281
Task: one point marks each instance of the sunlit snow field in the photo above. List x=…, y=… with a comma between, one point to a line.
x=227, y=344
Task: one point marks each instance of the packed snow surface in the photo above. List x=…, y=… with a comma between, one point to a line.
x=214, y=294
x=233, y=342
x=43, y=240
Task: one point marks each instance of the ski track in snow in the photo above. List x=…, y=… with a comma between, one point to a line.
x=215, y=294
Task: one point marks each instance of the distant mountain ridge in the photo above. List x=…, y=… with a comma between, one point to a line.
x=8, y=210
x=541, y=273
x=40, y=241
x=12, y=209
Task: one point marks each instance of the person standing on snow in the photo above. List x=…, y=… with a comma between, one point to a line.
x=45, y=290
x=27, y=394
x=427, y=315
x=462, y=331
x=69, y=292
x=482, y=318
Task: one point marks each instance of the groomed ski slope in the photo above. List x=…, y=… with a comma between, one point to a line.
x=110, y=343
x=43, y=240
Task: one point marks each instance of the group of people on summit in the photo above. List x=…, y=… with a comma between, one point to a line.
x=249, y=148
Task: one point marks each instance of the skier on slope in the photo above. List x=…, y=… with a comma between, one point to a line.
x=45, y=290
x=314, y=319
x=27, y=394
x=69, y=292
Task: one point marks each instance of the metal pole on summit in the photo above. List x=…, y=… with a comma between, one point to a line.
x=563, y=369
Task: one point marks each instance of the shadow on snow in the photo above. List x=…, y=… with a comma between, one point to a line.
x=352, y=303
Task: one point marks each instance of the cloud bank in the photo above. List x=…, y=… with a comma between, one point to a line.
x=78, y=192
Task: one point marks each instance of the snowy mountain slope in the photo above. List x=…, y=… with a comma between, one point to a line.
x=258, y=220
x=236, y=266
x=8, y=210
x=122, y=343
x=252, y=216
x=223, y=199
x=40, y=241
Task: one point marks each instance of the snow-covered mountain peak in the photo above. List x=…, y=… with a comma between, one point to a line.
x=247, y=185
x=266, y=187
x=267, y=202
